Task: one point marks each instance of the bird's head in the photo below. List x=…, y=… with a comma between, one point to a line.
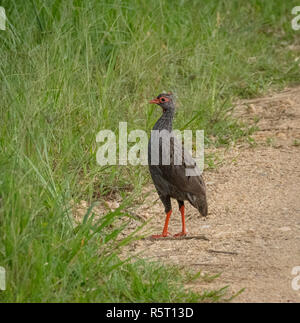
x=165, y=101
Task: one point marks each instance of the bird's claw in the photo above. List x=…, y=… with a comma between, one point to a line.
x=180, y=234
x=158, y=236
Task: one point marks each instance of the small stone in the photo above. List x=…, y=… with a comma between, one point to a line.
x=285, y=229
x=210, y=183
x=281, y=135
x=251, y=108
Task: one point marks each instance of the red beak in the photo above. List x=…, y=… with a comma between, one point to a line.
x=154, y=101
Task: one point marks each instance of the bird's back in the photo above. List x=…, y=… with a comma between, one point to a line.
x=181, y=178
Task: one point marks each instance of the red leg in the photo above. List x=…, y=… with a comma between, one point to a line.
x=165, y=232
x=183, y=232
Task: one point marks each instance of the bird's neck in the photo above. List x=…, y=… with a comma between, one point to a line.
x=165, y=121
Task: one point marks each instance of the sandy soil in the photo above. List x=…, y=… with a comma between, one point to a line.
x=253, y=225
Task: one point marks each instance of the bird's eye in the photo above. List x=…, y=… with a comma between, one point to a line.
x=162, y=100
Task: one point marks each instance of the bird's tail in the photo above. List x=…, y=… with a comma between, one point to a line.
x=199, y=202
x=202, y=207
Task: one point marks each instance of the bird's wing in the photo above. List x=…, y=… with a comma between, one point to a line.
x=185, y=176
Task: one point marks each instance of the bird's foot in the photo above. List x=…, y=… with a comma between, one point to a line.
x=180, y=234
x=163, y=235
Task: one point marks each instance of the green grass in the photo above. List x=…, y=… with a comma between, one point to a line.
x=71, y=68
x=53, y=263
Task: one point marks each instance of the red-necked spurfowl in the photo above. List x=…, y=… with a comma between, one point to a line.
x=170, y=179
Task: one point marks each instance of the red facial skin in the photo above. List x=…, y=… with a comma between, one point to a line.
x=159, y=101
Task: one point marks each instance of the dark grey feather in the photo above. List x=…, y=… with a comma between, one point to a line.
x=171, y=180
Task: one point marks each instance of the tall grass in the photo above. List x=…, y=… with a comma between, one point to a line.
x=71, y=68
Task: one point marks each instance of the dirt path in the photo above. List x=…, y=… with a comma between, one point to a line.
x=253, y=225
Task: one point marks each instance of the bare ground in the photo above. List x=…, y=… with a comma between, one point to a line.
x=253, y=225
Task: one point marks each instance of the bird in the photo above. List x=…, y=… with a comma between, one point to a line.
x=170, y=179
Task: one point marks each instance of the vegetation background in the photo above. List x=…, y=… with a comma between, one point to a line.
x=71, y=68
